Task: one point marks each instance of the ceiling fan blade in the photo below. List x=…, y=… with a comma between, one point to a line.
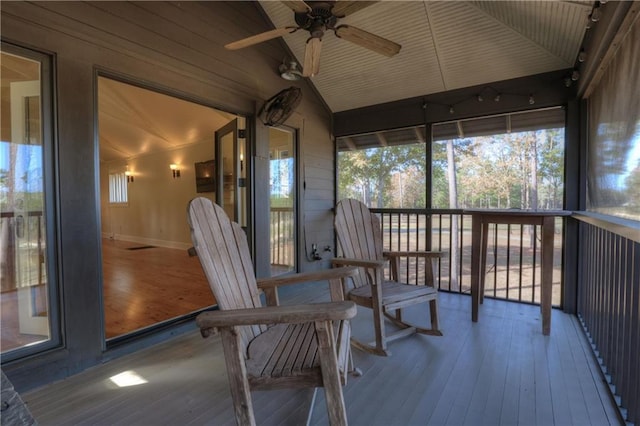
x=259, y=38
x=297, y=6
x=343, y=8
x=312, y=57
x=368, y=40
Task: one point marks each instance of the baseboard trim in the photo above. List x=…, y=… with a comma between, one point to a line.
x=147, y=241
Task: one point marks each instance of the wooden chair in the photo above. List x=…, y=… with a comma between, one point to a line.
x=271, y=347
x=360, y=238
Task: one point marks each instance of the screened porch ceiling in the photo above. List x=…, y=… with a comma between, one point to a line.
x=499, y=124
x=446, y=45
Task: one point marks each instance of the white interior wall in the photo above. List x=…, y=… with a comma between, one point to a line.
x=156, y=211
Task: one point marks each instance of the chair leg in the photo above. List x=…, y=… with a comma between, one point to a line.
x=355, y=371
x=433, y=311
x=378, y=323
x=312, y=406
x=399, y=314
x=237, y=373
x=378, y=317
x=408, y=328
x=330, y=374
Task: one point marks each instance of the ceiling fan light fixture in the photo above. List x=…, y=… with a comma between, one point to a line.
x=582, y=56
x=289, y=71
x=575, y=75
x=316, y=18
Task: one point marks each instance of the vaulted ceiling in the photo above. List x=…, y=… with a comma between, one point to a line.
x=134, y=121
x=446, y=45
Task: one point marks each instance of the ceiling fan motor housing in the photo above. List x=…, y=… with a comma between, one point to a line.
x=316, y=17
x=318, y=20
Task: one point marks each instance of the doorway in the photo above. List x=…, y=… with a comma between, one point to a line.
x=157, y=152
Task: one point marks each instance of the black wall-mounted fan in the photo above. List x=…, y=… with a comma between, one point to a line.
x=280, y=106
x=317, y=17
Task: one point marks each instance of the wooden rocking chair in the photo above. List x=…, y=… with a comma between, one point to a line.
x=360, y=238
x=307, y=347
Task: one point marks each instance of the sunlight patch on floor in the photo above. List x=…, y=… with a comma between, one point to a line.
x=128, y=378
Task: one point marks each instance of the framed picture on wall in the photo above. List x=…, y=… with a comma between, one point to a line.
x=206, y=176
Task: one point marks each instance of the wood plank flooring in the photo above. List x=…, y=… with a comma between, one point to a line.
x=499, y=371
x=141, y=287
x=146, y=286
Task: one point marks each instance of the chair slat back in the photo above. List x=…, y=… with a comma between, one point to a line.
x=359, y=233
x=225, y=258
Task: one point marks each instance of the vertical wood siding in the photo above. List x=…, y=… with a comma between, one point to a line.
x=175, y=47
x=608, y=306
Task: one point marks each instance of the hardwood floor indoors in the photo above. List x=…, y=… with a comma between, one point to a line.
x=142, y=287
x=498, y=371
x=12, y=337
x=145, y=285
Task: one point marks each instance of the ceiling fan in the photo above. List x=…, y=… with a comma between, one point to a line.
x=316, y=17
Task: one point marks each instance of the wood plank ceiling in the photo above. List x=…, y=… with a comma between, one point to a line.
x=134, y=121
x=446, y=45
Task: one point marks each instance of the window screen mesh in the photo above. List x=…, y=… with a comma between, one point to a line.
x=613, y=172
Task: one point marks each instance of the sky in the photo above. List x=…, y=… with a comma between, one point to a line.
x=28, y=167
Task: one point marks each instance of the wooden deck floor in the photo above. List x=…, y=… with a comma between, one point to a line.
x=499, y=371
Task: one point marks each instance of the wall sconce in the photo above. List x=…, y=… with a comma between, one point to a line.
x=241, y=162
x=176, y=171
x=129, y=176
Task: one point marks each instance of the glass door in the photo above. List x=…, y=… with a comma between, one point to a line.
x=25, y=243
x=228, y=161
x=157, y=152
x=282, y=201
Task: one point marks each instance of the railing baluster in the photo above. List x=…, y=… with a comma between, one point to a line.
x=281, y=242
x=495, y=259
x=407, y=229
x=520, y=262
x=417, y=264
x=508, y=259
x=450, y=245
x=461, y=251
x=609, y=307
x=533, y=263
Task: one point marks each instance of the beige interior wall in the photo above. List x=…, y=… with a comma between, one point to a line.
x=156, y=211
x=13, y=69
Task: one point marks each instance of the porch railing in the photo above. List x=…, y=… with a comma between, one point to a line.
x=513, y=252
x=21, y=236
x=609, y=305
x=282, y=230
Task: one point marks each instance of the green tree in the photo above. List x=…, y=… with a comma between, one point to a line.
x=367, y=174
x=633, y=192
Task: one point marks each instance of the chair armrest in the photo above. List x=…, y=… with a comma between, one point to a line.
x=345, y=261
x=324, y=275
x=277, y=315
x=417, y=253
